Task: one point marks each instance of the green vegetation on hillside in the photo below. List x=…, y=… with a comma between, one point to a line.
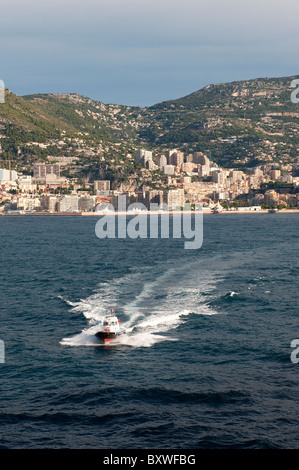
x=238, y=124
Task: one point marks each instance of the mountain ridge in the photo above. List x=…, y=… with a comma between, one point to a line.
x=238, y=123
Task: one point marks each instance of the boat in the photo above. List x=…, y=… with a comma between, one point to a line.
x=110, y=328
x=273, y=211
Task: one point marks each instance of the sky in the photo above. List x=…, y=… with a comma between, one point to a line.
x=139, y=53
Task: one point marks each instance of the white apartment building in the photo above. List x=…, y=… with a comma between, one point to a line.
x=8, y=175
x=68, y=204
x=168, y=169
x=25, y=183
x=218, y=177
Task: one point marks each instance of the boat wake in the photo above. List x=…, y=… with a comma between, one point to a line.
x=149, y=310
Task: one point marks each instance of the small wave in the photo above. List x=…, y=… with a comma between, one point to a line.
x=232, y=442
x=232, y=296
x=64, y=418
x=170, y=396
x=68, y=302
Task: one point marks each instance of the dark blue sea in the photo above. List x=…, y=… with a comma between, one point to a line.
x=206, y=360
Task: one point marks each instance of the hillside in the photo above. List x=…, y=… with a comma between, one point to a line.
x=239, y=124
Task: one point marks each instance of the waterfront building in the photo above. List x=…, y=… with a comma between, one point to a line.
x=87, y=204
x=174, y=198
x=153, y=197
x=25, y=183
x=68, y=204
x=121, y=202
x=249, y=208
x=49, y=203
x=28, y=204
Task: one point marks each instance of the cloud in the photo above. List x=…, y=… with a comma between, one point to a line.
x=159, y=47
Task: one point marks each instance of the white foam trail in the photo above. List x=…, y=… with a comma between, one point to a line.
x=148, y=316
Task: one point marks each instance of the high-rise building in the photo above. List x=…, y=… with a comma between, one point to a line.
x=200, y=158
x=274, y=174
x=176, y=158
x=203, y=170
x=168, y=154
x=218, y=176
x=144, y=156
x=161, y=161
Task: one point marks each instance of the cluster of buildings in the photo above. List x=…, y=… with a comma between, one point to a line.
x=173, y=162
x=205, y=182
x=193, y=178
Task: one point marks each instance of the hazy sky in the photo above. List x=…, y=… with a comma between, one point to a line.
x=143, y=52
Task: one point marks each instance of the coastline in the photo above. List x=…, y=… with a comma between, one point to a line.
x=102, y=213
